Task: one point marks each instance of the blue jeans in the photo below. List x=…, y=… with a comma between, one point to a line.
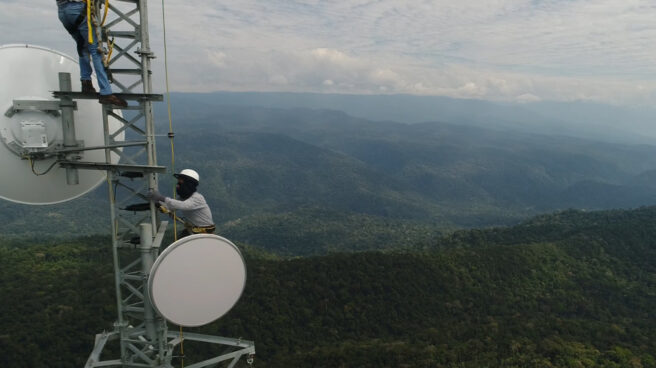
x=69, y=14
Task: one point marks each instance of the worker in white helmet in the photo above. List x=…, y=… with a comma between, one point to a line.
x=195, y=211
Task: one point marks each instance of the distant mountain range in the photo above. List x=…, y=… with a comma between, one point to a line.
x=266, y=171
x=468, y=176
x=596, y=121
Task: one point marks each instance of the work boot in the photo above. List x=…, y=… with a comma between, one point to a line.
x=87, y=87
x=112, y=100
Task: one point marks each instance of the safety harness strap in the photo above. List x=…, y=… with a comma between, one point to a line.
x=200, y=229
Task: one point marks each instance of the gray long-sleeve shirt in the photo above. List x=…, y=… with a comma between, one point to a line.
x=194, y=209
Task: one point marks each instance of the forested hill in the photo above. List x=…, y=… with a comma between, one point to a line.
x=573, y=289
x=275, y=160
x=327, y=172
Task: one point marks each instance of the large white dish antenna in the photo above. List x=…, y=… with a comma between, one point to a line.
x=197, y=280
x=32, y=73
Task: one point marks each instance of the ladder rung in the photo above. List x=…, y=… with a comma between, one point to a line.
x=122, y=34
x=133, y=108
x=113, y=167
x=137, y=207
x=109, y=146
x=140, y=96
x=131, y=174
x=126, y=71
x=125, y=96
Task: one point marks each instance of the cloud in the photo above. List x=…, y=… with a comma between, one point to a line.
x=527, y=97
x=509, y=50
x=216, y=58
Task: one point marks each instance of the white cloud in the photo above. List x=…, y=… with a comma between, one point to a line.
x=527, y=97
x=217, y=58
x=278, y=79
x=514, y=50
x=335, y=57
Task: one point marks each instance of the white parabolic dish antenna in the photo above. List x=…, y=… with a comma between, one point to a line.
x=32, y=73
x=197, y=280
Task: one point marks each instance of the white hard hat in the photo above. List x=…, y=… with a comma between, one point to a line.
x=190, y=173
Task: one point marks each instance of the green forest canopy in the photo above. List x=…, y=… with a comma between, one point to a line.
x=573, y=289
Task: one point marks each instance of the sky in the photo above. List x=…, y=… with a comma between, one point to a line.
x=498, y=50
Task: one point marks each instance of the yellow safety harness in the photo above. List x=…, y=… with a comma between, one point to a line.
x=187, y=225
x=92, y=23
x=89, y=28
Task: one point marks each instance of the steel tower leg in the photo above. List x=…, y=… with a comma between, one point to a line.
x=137, y=232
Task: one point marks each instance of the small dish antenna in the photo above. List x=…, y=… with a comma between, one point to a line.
x=197, y=279
x=30, y=122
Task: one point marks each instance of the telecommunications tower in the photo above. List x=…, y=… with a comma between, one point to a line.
x=60, y=148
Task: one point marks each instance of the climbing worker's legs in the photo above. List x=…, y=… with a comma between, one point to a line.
x=101, y=75
x=73, y=17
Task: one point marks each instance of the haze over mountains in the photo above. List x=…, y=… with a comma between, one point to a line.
x=432, y=172
x=621, y=124
x=289, y=174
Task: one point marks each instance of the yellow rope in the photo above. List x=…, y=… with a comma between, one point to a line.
x=90, y=30
x=168, y=106
x=92, y=20
x=106, y=56
x=109, y=54
x=105, y=15
x=166, y=211
x=181, y=348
